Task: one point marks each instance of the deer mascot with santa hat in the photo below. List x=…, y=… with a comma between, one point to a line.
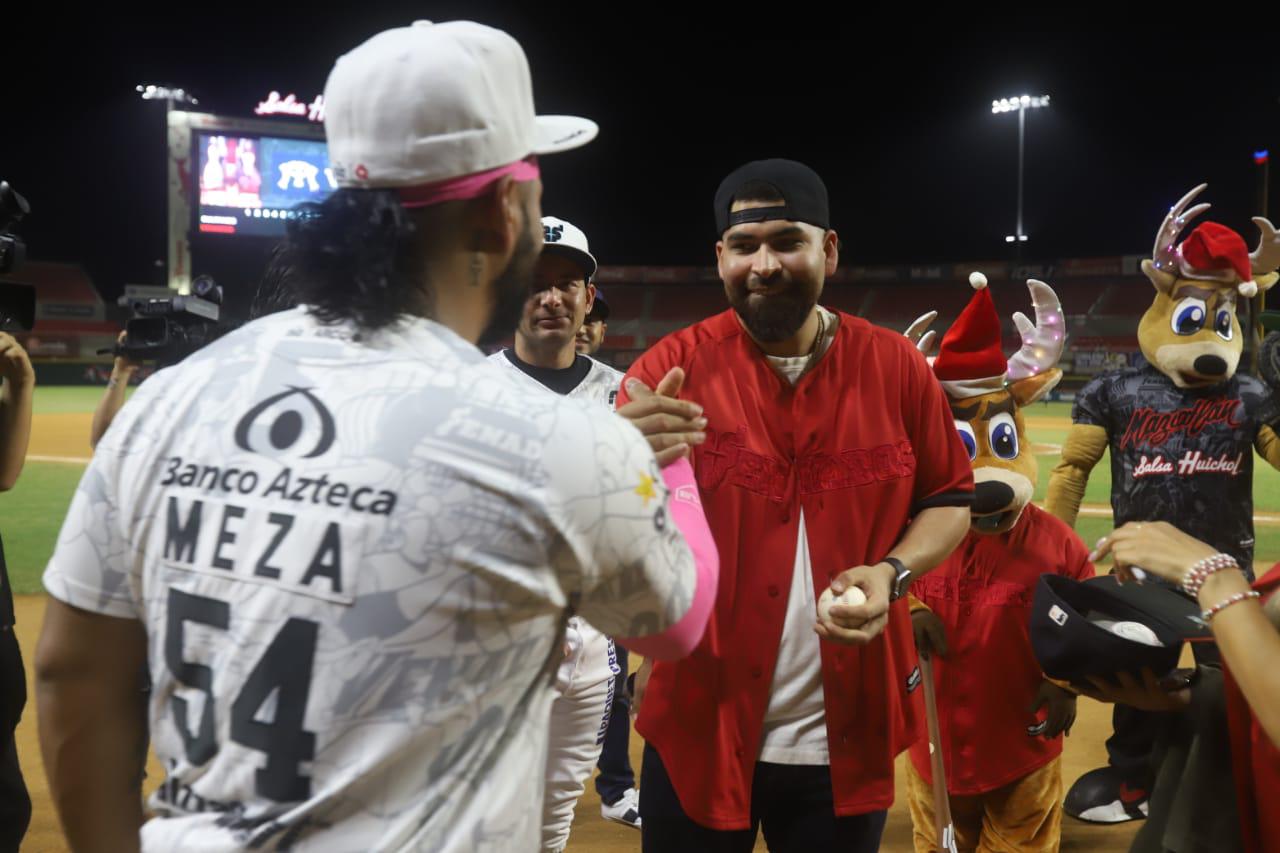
x=1001, y=753
x=1181, y=429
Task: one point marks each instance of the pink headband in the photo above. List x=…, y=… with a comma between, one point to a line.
x=467, y=186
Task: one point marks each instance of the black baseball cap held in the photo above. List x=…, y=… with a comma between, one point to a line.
x=1100, y=627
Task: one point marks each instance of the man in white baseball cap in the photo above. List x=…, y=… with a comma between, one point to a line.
x=562, y=296
x=544, y=357
x=345, y=544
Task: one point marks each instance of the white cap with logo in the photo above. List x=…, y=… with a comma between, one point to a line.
x=432, y=102
x=568, y=239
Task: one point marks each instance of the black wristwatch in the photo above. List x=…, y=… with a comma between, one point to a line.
x=901, y=580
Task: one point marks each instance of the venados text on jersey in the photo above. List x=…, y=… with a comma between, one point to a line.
x=283, y=486
x=729, y=460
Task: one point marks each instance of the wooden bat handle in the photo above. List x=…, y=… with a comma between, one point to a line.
x=942, y=822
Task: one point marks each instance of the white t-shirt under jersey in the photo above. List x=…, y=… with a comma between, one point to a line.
x=592, y=657
x=353, y=560
x=795, y=722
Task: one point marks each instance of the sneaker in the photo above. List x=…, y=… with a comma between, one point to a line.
x=1101, y=796
x=625, y=811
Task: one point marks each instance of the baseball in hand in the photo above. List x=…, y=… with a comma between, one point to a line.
x=1133, y=631
x=852, y=597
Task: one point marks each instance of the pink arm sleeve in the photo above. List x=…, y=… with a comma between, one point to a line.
x=686, y=512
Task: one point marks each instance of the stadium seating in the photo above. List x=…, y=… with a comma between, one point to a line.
x=647, y=303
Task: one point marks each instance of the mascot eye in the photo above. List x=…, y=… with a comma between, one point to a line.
x=967, y=438
x=1222, y=324
x=1189, y=316
x=1004, y=436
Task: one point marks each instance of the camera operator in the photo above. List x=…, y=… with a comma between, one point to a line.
x=15, y=429
x=273, y=295
x=167, y=329
x=122, y=370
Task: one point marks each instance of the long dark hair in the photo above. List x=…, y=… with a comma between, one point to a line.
x=275, y=288
x=357, y=256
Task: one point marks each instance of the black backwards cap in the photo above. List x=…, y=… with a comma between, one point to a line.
x=1100, y=627
x=804, y=193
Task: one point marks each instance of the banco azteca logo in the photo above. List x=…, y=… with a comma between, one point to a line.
x=293, y=424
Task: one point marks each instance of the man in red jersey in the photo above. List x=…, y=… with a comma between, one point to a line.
x=831, y=459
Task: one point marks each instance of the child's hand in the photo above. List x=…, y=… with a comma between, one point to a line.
x=1150, y=695
x=1062, y=709
x=930, y=635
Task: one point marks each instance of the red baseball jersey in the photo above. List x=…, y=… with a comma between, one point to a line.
x=983, y=595
x=861, y=443
x=1255, y=758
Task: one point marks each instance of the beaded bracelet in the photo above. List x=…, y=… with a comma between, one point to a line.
x=1200, y=571
x=1227, y=602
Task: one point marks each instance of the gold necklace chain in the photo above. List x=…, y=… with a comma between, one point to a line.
x=817, y=342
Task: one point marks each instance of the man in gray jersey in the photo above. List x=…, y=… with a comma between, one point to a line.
x=544, y=355
x=343, y=542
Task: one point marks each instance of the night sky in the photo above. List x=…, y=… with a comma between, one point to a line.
x=899, y=125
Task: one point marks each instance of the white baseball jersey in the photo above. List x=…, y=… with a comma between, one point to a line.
x=592, y=657
x=600, y=385
x=353, y=561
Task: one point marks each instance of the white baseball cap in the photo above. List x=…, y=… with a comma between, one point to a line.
x=568, y=239
x=432, y=102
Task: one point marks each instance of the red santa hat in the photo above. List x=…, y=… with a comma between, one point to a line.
x=1214, y=252
x=970, y=361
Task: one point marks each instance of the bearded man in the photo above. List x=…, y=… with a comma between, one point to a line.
x=831, y=460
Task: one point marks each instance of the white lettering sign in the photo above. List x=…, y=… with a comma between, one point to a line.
x=290, y=105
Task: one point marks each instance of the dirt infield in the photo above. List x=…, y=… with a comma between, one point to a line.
x=591, y=833
x=65, y=434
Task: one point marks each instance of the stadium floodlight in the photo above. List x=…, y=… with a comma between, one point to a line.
x=1021, y=103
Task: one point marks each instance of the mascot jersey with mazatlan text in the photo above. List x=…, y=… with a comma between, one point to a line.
x=1182, y=429
x=1182, y=454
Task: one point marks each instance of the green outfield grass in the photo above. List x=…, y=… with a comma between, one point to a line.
x=33, y=511
x=65, y=399
x=32, y=516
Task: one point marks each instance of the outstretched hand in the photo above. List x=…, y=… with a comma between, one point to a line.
x=671, y=426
